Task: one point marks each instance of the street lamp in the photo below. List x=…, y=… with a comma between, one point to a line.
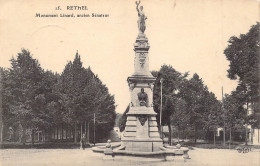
x=224, y=127
x=94, y=129
x=161, y=81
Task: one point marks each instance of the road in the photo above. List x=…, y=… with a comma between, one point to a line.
x=77, y=157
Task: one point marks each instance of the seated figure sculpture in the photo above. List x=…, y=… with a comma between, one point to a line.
x=142, y=97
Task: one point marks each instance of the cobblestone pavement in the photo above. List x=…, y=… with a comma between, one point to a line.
x=77, y=157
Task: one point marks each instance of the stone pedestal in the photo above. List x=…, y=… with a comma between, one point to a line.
x=141, y=132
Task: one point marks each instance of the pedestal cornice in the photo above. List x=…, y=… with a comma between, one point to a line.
x=141, y=78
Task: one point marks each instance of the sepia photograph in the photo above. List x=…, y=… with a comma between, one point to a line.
x=129, y=82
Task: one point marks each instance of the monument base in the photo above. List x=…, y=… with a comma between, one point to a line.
x=141, y=132
x=169, y=153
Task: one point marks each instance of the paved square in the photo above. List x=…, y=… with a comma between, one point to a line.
x=77, y=157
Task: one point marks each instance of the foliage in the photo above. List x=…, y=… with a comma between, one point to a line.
x=235, y=114
x=243, y=55
x=25, y=90
x=122, y=121
x=83, y=94
x=43, y=100
x=172, y=80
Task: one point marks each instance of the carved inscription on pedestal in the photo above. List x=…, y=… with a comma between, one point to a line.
x=142, y=57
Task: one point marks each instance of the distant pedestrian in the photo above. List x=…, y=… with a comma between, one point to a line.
x=83, y=142
x=11, y=133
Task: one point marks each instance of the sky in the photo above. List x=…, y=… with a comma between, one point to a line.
x=189, y=35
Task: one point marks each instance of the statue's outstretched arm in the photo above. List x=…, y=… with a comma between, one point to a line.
x=137, y=5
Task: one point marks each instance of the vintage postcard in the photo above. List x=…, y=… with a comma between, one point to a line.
x=126, y=82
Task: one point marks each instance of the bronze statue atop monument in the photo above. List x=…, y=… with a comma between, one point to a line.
x=141, y=19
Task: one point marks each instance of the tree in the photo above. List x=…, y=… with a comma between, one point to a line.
x=214, y=119
x=104, y=108
x=84, y=94
x=73, y=82
x=243, y=55
x=180, y=118
x=1, y=106
x=195, y=93
x=25, y=91
x=51, y=100
x=234, y=113
x=42, y=100
x=7, y=117
x=172, y=80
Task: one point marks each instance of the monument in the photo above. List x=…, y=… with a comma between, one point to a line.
x=141, y=131
x=141, y=139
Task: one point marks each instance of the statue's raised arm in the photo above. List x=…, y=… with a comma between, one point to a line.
x=141, y=18
x=137, y=5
